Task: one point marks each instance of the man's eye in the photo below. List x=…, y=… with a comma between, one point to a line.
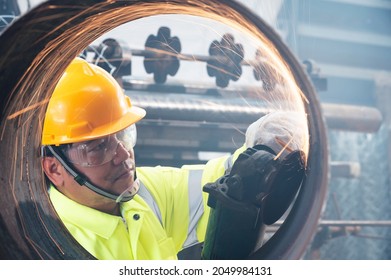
x=95, y=147
x=99, y=147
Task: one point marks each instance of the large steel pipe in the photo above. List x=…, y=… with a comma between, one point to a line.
x=36, y=49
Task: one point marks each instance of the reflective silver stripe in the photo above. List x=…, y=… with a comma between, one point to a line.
x=196, y=206
x=148, y=198
x=228, y=164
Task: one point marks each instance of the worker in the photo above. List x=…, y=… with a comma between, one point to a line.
x=113, y=209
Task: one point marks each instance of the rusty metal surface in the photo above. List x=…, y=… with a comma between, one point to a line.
x=37, y=48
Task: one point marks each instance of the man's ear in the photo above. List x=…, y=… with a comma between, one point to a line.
x=53, y=170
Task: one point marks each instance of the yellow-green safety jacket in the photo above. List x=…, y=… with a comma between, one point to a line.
x=168, y=214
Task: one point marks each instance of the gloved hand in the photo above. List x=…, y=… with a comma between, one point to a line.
x=286, y=133
x=282, y=131
x=256, y=192
x=259, y=187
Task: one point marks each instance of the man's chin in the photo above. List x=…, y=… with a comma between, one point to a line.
x=129, y=192
x=133, y=187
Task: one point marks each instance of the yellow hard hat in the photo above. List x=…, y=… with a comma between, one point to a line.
x=86, y=104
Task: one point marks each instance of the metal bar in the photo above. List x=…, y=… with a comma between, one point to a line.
x=349, y=117
x=345, y=169
x=185, y=57
x=361, y=223
x=350, y=223
x=337, y=116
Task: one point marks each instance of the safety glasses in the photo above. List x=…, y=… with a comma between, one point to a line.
x=102, y=150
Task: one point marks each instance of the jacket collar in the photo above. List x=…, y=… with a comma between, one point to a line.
x=100, y=223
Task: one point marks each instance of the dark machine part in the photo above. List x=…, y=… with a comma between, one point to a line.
x=314, y=72
x=162, y=59
x=256, y=192
x=115, y=57
x=263, y=72
x=9, y=7
x=226, y=62
x=9, y=10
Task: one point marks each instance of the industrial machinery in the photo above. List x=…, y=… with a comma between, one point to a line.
x=35, y=51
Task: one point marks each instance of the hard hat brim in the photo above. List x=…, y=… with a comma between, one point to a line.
x=133, y=115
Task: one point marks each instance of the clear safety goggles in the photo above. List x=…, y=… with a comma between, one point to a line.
x=102, y=150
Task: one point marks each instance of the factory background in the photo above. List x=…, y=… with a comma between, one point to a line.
x=347, y=46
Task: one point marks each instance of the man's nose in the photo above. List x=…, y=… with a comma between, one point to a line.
x=121, y=154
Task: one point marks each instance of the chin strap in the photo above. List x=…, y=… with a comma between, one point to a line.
x=126, y=195
x=129, y=193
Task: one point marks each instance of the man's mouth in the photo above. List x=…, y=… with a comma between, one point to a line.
x=129, y=193
x=126, y=174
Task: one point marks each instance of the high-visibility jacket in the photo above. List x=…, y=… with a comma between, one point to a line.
x=167, y=215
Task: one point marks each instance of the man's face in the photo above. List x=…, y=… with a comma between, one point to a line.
x=107, y=162
x=116, y=173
